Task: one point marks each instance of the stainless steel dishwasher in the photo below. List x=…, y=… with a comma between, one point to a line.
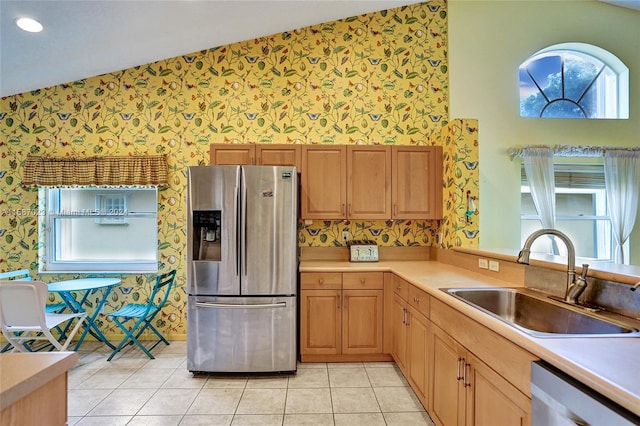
x=559, y=399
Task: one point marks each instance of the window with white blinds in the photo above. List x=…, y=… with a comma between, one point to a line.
x=581, y=211
x=589, y=176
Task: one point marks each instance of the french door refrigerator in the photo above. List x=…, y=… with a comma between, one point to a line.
x=242, y=269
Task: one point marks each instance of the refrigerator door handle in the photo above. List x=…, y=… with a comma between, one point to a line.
x=236, y=202
x=240, y=306
x=243, y=254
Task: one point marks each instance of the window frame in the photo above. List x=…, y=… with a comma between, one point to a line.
x=619, y=69
x=50, y=235
x=579, y=176
x=601, y=235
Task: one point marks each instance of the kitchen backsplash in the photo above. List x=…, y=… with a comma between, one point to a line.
x=374, y=78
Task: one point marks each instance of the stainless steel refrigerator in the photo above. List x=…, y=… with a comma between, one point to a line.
x=242, y=269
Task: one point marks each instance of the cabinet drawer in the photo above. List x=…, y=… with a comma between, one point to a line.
x=321, y=280
x=400, y=287
x=419, y=300
x=363, y=280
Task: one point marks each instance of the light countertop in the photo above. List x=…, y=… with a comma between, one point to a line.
x=22, y=373
x=610, y=366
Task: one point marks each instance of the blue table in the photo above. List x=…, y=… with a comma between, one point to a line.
x=82, y=288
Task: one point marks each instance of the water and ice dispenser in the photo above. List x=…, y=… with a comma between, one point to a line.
x=207, y=235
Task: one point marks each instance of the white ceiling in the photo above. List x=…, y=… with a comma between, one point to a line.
x=91, y=37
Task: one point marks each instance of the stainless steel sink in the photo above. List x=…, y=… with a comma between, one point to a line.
x=536, y=314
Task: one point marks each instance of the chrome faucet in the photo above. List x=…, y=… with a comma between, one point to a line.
x=635, y=286
x=575, y=285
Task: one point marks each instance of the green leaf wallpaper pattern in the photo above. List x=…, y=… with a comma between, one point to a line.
x=379, y=78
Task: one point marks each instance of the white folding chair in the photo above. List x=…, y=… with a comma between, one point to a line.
x=23, y=315
x=25, y=275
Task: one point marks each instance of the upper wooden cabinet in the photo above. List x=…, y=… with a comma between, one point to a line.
x=371, y=182
x=279, y=155
x=231, y=154
x=255, y=154
x=417, y=182
x=324, y=181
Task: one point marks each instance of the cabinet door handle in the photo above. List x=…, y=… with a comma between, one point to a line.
x=320, y=281
x=338, y=301
x=362, y=280
x=258, y=160
x=458, y=376
x=404, y=316
x=465, y=383
x=343, y=209
x=418, y=300
x=350, y=209
x=408, y=316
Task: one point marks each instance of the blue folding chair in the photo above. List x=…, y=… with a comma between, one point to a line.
x=25, y=275
x=142, y=314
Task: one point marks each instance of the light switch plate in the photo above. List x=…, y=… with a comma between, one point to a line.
x=482, y=264
x=494, y=266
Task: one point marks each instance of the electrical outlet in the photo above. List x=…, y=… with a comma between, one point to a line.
x=482, y=264
x=345, y=235
x=494, y=266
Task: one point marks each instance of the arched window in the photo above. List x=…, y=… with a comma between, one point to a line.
x=574, y=80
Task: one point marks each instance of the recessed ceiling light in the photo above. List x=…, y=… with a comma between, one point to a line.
x=28, y=24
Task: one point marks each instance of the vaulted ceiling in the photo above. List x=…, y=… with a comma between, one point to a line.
x=87, y=38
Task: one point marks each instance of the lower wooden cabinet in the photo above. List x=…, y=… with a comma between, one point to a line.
x=320, y=322
x=418, y=353
x=341, y=322
x=411, y=345
x=447, y=405
x=466, y=391
x=492, y=400
x=462, y=372
x=362, y=322
x=400, y=333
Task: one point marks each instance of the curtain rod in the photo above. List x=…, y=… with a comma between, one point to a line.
x=571, y=150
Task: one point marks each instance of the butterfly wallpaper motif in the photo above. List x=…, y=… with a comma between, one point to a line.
x=379, y=78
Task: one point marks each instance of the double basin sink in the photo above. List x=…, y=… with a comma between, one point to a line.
x=540, y=316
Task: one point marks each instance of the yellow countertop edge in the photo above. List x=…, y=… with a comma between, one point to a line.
x=614, y=379
x=22, y=373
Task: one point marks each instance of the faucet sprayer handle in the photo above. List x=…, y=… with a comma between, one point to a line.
x=578, y=286
x=585, y=268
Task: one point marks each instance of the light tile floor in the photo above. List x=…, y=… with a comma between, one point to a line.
x=134, y=390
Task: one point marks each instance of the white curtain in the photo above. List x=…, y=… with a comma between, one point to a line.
x=622, y=180
x=538, y=165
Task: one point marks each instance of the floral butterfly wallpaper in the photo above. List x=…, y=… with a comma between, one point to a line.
x=379, y=78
